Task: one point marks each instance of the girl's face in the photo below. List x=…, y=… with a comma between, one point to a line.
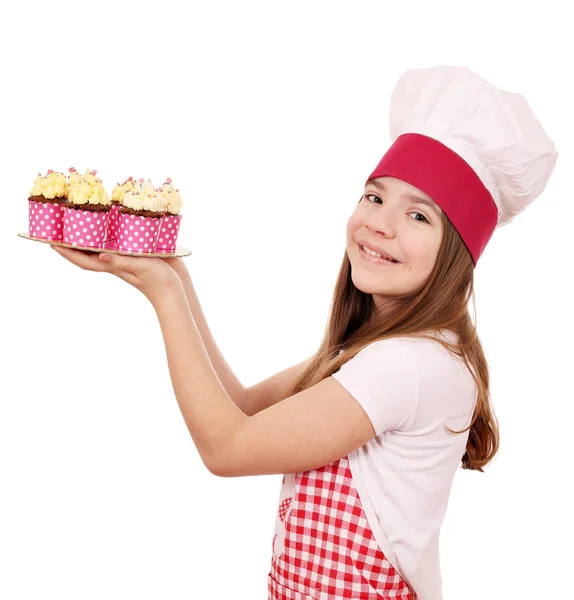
x=399, y=220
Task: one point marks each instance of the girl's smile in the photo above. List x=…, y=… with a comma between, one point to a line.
x=375, y=259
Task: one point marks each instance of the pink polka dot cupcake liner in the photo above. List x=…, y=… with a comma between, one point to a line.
x=137, y=234
x=46, y=220
x=113, y=222
x=167, y=237
x=85, y=228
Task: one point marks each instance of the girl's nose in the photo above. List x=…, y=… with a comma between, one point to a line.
x=381, y=221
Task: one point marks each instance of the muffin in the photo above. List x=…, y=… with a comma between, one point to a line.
x=46, y=206
x=87, y=210
x=167, y=237
x=140, y=218
x=114, y=216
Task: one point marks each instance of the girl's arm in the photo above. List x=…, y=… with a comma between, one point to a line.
x=237, y=392
x=211, y=416
x=305, y=431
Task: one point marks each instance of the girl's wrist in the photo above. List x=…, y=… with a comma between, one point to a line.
x=166, y=298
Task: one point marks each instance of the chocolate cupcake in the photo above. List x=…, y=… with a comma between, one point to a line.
x=46, y=205
x=140, y=218
x=86, y=211
x=117, y=202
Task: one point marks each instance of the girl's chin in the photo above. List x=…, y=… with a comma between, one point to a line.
x=368, y=286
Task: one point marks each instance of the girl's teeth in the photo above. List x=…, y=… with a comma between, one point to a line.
x=373, y=253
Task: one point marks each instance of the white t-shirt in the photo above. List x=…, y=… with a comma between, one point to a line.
x=411, y=389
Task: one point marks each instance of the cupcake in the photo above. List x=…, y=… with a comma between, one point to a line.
x=46, y=205
x=167, y=237
x=87, y=210
x=140, y=218
x=114, y=216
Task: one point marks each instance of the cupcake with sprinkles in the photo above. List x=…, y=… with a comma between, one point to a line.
x=117, y=202
x=46, y=203
x=167, y=237
x=140, y=218
x=86, y=211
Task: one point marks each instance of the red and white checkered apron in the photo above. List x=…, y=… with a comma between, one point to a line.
x=323, y=547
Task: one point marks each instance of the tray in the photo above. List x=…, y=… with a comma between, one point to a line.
x=110, y=247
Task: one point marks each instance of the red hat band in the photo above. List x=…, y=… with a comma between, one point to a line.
x=449, y=180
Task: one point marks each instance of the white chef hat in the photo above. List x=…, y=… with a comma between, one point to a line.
x=478, y=151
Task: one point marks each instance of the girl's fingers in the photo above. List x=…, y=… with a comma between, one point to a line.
x=118, y=262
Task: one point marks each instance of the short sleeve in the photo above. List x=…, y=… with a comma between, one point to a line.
x=383, y=379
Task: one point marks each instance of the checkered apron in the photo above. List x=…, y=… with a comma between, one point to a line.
x=323, y=548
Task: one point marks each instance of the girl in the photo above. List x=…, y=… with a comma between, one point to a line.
x=370, y=430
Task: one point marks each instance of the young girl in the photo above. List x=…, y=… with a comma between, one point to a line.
x=370, y=430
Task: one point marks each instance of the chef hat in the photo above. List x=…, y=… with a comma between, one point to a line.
x=478, y=151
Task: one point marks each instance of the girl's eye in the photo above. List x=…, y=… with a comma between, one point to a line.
x=372, y=196
x=425, y=220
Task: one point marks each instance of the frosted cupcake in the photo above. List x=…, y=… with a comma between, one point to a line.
x=87, y=210
x=46, y=206
x=140, y=218
x=117, y=202
x=167, y=238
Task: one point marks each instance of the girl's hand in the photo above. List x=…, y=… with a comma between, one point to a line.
x=151, y=276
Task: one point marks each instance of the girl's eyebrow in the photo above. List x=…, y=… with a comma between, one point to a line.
x=411, y=197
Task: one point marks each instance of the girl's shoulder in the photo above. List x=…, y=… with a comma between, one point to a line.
x=430, y=353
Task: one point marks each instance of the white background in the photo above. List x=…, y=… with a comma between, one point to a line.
x=269, y=117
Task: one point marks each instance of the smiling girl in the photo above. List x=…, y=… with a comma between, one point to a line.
x=370, y=430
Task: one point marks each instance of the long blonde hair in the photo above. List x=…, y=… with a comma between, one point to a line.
x=441, y=303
